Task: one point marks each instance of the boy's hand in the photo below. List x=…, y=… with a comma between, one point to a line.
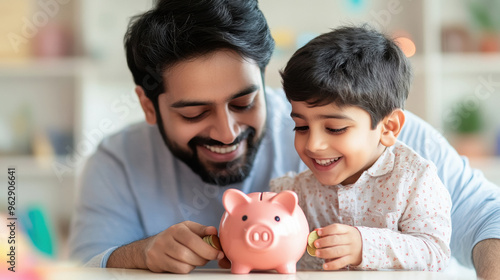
x=340, y=245
x=180, y=248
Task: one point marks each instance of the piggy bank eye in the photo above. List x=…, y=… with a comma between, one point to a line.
x=277, y=218
x=244, y=218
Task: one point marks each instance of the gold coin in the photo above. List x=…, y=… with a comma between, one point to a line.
x=212, y=240
x=313, y=236
x=311, y=250
x=206, y=239
x=216, y=242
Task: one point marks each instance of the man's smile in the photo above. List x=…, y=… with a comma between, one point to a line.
x=222, y=149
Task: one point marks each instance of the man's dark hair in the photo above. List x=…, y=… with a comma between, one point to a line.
x=350, y=66
x=179, y=30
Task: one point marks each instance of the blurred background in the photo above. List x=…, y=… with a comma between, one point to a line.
x=65, y=84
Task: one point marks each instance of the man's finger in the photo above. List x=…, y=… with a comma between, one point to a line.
x=210, y=230
x=196, y=244
x=224, y=263
x=185, y=254
x=171, y=265
x=199, y=229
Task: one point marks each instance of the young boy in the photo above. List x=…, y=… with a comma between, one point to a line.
x=376, y=204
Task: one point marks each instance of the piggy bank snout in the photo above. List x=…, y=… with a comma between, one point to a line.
x=259, y=236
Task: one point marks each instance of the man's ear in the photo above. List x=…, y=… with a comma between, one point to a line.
x=391, y=127
x=147, y=105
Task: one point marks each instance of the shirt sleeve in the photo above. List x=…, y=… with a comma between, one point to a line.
x=106, y=214
x=424, y=229
x=476, y=201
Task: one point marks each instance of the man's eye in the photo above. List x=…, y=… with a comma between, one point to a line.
x=194, y=118
x=238, y=107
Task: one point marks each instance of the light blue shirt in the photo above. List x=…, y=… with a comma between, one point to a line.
x=132, y=187
x=475, y=212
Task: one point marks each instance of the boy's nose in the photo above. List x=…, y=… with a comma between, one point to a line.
x=316, y=142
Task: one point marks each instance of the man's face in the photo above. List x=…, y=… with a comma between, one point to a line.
x=213, y=113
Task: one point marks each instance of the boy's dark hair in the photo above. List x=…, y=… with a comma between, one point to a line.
x=178, y=30
x=350, y=66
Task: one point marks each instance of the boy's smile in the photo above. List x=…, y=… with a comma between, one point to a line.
x=326, y=164
x=336, y=143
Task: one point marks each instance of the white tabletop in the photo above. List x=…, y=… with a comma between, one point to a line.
x=217, y=274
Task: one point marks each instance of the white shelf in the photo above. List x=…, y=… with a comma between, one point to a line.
x=62, y=67
x=490, y=166
x=471, y=63
x=31, y=167
x=41, y=67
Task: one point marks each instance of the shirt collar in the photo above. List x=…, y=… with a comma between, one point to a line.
x=383, y=165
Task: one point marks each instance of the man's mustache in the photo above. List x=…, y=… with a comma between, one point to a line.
x=200, y=141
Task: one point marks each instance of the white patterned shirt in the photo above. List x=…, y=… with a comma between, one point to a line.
x=399, y=205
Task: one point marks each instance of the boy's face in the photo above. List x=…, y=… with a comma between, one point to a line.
x=214, y=112
x=336, y=143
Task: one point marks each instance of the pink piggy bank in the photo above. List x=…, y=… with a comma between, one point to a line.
x=263, y=231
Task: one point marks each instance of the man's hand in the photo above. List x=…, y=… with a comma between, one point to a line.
x=178, y=249
x=340, y=245
x=224, y=263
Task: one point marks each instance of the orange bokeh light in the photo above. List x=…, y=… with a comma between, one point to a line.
x=406, y=45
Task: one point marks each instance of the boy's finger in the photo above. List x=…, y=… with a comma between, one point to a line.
x=332, y=240
x=333, y=229
x=336, y=264
x=333, y=252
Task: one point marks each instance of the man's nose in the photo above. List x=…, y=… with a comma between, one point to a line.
x=225, y=128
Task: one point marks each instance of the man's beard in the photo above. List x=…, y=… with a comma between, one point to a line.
x=223, y=173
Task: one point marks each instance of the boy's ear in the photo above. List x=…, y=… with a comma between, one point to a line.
x=147, y=105
x=391, y=127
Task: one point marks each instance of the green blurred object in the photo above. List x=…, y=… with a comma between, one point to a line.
x=485, y=14
x=36, y=226
x=468, y=117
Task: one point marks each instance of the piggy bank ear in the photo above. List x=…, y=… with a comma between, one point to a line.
x=288, y=199
x=232, y=198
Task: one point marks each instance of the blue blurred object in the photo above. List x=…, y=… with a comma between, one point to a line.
x=61, y=140
x=304, y=37
x=356, y=5
x=497, y=150
x=36, y=226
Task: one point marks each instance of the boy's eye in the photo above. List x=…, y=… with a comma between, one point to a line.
x=337, y=131
x=300, y=128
